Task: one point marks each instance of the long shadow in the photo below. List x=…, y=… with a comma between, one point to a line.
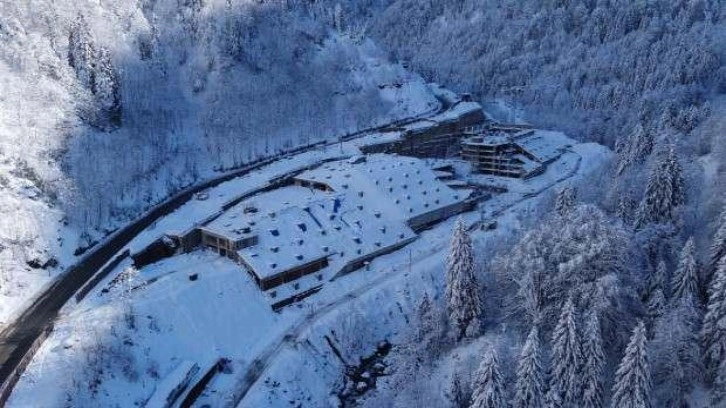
x=21, y=338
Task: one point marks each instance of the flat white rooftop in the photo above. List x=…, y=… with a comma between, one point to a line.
x=302, y=225
x=410, y=184
x=364, y=212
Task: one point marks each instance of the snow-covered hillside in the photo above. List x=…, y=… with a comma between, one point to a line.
x=224, y=315
x=599, y=282
x=108, y=107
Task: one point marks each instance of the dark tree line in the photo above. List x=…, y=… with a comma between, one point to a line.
x=96, y=74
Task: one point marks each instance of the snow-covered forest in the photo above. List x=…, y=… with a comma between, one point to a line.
x=615, y=294
x=108, y=107
x=613, y=298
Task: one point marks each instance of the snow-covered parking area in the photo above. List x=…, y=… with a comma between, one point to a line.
x=114, y=348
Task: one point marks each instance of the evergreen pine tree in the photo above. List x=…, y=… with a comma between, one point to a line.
x=626, y=208
x=635, y=149
x=455, y=393
x=663, y=193
x=565, y=200
x=488, y=387
x=632, y=378
x=674, y=170
x=675, y=356
x=658, y=279
x=685, y=278
x=529, y=387
x=428, y=329
x=566, y=356
x=462, y=290
x=713, y=333
x=718, y=389
x=718, y=246
x=594, y=364
x=106, y=89
x=656, y=305
x=81, y=52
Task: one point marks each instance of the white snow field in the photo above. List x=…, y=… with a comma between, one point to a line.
x=98, y=356
x=65, y=184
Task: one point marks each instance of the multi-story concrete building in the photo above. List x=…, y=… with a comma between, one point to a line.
x=519, y=153
x=332, y=220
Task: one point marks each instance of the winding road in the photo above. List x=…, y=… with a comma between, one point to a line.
x=21, y=338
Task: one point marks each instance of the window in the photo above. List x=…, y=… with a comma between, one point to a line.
x=357, y=240
x=275, y=232
x=302, y=226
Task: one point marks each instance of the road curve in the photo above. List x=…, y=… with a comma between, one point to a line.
x=20, y=338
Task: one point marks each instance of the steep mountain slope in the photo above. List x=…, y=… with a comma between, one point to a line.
x=592, y=67
x=108, y=107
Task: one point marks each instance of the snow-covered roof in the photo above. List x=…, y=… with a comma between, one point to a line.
x=372, y=199
x=286, y=239
x=443, y=93
x=419, y=125
x=301, y=225
x=457, y=110
x=543, y=145
x=410, y=187
x=527, y=164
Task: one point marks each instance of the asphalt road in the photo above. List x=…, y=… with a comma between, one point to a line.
x=18, y=338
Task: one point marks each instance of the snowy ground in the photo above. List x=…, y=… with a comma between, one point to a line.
x=37, y=231
x=505, y=112
x=223, y=314
x=309, y=371
x=40, y=101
